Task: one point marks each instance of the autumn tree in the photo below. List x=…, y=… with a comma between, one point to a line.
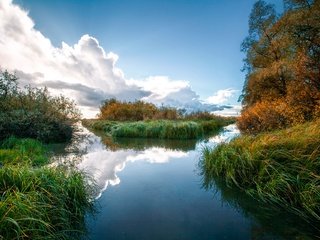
x=282, y=66
x=112, y=109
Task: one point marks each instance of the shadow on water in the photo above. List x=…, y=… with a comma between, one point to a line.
x=269, y=221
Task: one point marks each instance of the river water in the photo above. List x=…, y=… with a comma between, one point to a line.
x=153, y=189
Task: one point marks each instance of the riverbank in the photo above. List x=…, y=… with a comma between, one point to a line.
x=280, y=167
x=38, y=201
x=162, y=129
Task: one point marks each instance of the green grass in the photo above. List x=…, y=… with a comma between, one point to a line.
x=39, y=202
x=161, y=129
x=281, y=167
x=16, y=151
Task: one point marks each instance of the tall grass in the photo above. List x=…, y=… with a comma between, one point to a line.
x=38, y=202
x=162, y=129
x=159, y=129
x=15, y=151
x=42, y=203
x=282, y=167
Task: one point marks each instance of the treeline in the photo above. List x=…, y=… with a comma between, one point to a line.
x=282, y=63
x=116, y=110
x=33, y=113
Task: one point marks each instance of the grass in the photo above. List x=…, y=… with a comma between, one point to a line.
x=161, y=129
x=38, y=202
x=280, y=167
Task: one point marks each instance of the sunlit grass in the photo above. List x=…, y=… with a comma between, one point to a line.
x=162, y=129
x=282, y=167
x=38, y=202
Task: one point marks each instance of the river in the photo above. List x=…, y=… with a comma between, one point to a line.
x=154, y=189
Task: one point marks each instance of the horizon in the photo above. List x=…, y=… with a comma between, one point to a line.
x=180, y=54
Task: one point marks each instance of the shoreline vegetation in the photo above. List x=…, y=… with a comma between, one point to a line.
x=157, y=129
x=120, y=119
x=38, y=201
x=277, y=158
x=280, y=167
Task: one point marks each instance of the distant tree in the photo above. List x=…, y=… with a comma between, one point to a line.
x=112, y=109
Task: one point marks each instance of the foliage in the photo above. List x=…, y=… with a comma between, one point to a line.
x=162, y=129
x=283, y=66
x=115, y=110
x=44, y=203
x=15, y=151
x=281, y=167
x=38, y=202
x=32, y=113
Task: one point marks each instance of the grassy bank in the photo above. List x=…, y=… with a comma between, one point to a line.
x=38, y=202
x=282, y=167
x=162, y=129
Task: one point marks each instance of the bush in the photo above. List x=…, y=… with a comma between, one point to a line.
x=32, y=113
x=277, y=114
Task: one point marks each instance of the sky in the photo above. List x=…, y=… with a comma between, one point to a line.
x=181, y=53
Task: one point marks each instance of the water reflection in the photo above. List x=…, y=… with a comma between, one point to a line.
x=174, y=206
x=268, y=221
x=102, y=157
x=138, y=144
x=228, y=133
x=102, y=162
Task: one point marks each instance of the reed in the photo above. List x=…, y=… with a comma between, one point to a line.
x=40, y=202
x=161, y=129
x=282, y=167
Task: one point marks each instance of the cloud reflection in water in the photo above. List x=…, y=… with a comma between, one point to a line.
x=104, y=164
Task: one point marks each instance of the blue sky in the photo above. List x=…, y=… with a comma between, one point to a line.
x=193, y=41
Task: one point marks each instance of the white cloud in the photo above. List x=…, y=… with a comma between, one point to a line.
x=229, y=111
x=157, y=155
x=221, y=96
x=83, y=71
x=160, y=86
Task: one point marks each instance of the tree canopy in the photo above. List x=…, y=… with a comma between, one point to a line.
x=282, y=66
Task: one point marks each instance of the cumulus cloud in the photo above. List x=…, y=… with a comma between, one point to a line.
x=83, y=71
x=229, y=111
x=221, y=96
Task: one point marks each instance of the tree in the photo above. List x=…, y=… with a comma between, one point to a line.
x=282, y=63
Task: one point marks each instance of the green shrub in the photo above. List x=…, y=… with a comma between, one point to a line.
x=32, y=113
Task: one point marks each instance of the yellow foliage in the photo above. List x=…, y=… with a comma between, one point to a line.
x=115, y=110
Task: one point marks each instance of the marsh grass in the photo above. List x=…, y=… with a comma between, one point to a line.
x=282, y=167
x=161, y=129
x=23, y=151
x=38, y=202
